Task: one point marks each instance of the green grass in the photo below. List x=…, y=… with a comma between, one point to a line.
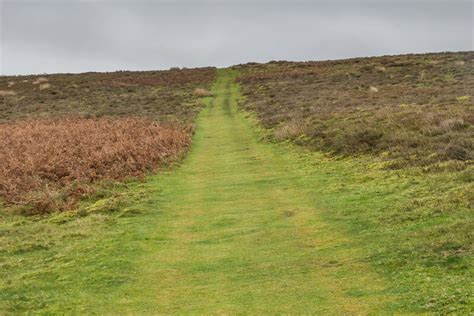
x=248, y=226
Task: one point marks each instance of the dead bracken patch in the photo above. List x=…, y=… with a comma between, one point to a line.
x=40, y=80
x=49, y=164
x=44, y=86
x=373, y=89
x=7, y=93
x=200, y=92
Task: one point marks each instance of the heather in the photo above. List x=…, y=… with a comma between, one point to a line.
x=408, y=110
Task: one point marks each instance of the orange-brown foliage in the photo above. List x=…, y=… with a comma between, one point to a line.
x=48, y=164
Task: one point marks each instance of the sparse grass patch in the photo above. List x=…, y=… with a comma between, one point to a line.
x=291, y=130
x=200, y=92
x=7, y=93
x=44, y=86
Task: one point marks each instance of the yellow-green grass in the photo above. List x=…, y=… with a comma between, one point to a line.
x=245, y=226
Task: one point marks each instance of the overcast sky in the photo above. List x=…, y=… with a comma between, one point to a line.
x=49, y=36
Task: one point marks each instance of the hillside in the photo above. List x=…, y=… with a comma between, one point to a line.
x=334, y=187
x=407, y=110
x=167, y=96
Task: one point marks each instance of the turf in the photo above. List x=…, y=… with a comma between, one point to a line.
x=244, y=226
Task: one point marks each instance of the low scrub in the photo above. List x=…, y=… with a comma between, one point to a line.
x=411, y=110
x=166, y=96
x=50, y=164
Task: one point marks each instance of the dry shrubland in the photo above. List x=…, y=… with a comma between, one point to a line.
x=50, y=164
x=167, y=96
x=408, y=109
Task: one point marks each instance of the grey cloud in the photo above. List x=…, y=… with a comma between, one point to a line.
x=77, y=36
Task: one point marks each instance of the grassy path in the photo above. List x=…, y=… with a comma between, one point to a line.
x=240, y=231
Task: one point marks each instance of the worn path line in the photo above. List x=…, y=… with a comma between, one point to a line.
x=239, y=231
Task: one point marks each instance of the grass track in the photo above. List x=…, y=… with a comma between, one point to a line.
x=241, y=232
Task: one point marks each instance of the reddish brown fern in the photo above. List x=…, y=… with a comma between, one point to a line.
x=48, y=164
